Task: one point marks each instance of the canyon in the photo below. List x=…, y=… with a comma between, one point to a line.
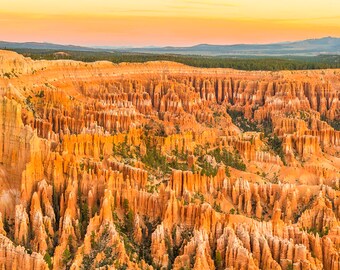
x=159, y=165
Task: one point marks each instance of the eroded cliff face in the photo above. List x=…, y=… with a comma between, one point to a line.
x=165, y=166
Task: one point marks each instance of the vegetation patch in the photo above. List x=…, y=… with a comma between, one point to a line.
x=270, y=63
x=241, y=122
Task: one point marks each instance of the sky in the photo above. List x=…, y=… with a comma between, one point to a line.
x=167, y=22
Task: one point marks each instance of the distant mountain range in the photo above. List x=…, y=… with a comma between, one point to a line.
x=326, y=45
x=43, y=46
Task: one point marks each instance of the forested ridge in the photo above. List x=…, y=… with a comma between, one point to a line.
x=236, y=62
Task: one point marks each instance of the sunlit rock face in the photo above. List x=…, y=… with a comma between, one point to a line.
x=165, y=166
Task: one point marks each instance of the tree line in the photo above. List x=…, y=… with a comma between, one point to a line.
x=268, y=63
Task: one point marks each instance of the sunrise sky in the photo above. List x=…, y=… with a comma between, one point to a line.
x=167, y=22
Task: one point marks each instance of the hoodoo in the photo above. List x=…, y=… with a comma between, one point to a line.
x=164, y=166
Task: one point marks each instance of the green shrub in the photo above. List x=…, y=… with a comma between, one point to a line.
x=48, y=260
x=208, y=169
x=228, y=159
x=276, y=145
x=217, y=207
x=154, y=159
x=218, y=260
x=67, y=256
x=241, y=122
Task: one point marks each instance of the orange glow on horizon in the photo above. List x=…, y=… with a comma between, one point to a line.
x=185, y=22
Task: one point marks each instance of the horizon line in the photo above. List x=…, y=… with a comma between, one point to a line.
x=97, y=46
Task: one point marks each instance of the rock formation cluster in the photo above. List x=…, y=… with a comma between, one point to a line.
x=165, y=166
